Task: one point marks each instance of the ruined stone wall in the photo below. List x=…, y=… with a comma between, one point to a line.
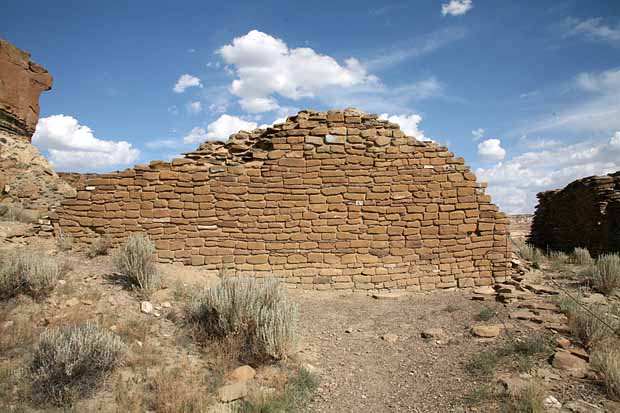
x=325, y=200
x=586, y=213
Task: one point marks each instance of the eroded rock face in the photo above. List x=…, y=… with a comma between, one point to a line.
x=21, y=84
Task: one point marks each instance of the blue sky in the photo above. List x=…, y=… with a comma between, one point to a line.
x=528, y=92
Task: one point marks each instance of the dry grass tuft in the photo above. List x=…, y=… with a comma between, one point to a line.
x=530, y=399
x=100, y=246
x=135, y=261
x=70, y=362
x=256, y=312
x=606, y=274
x=65, y=241
x=590, y=330
x=606, y=360
x=25, y=271
x=581, y=256
x=17, y=213
x=529, y=253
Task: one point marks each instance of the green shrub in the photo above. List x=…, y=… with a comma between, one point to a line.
x=581, y=256
x=485, y=314
x=294, y=397
x=70, y=362
x=135, y=261
x=483, y=363
x=25, y=271
x=606, y=360
x=100, y=246
x=257, y=312
x=64, y=242
x=606, y=274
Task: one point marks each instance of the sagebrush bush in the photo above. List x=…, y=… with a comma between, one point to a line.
x=590, y=329
x=135, y=261
x=606, y=273
x=70, y=362
x=26, y=271
x=256, y=311
x=581, y=256
x=606, y=360
x=16, y=213
x=529, y=252
x=64, y=242
x=100, y=246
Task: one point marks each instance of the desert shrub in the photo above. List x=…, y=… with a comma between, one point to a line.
x=529, y=399
x=100, y=246
x=581, y=256
x=294, y=397
x=25, y=271
x=606, y=360
x=530, y=253
x=591, y=330
x=71, y=362
x=257, y=312
x=16, y=213
x=483, y=363
x=64, y=242
x=606, y=273
x=558, y=260
x=135, y=261
x=485, y=314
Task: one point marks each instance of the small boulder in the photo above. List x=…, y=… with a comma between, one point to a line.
x=232, y=392
x=390, y=338
x=242, y=374
x=551, y=402
x=435, y=333
x=486, y=331
x=576, y=366
x=486, y=290
x=146, y=307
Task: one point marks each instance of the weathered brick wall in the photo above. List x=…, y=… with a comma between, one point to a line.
x=586, y=213
x=325, y=200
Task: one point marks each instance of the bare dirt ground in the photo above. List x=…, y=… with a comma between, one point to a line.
x=369, y=354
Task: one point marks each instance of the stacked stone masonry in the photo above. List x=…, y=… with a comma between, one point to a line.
x=325, y=200
x=586, y=213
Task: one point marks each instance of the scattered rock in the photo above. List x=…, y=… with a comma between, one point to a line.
x=146, y=307
x=563, y=360
x=166, y=304
x=435, y=333
x=390, y=338
x=512, y=384
x=7, y=324
x=486, y=331
x=389, y=296
x=563, y=342
x=551, y=402
x=580, y=406
x=72, y=302
x=242, y=374
x=231, y=392
x=486, y=290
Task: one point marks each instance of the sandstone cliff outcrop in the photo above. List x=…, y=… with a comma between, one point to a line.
x=26, y=177
x=333, y=199
x=586, y=213
x=21, y=83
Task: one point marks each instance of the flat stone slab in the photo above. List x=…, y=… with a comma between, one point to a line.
x=390, y=296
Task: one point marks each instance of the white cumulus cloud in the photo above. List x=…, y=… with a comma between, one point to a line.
x=514, y=183
x=456, y=7
x=186, y=81
x=265, y=67
x=74, y=147
x=408, y=124
x=220, y=129
x=490, y=150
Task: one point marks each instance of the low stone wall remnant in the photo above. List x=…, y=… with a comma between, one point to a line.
x=586, y=213
x=325, y=200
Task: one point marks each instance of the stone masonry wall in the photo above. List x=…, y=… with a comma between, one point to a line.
x=326, y=200
x=586, y=213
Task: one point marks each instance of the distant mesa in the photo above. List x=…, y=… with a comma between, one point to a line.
x=21, y=83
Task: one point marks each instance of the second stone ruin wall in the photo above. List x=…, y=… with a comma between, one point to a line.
x=586, y=213
x=325, y=200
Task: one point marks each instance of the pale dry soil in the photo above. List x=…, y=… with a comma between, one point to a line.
x=341, y=335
